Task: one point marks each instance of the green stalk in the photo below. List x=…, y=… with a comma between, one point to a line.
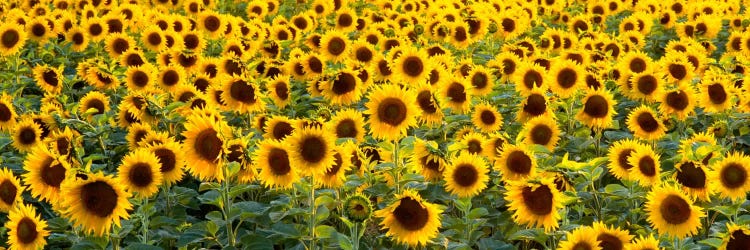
x=397, y=170
x=311, y=223
x=144, y=221
x=226, y=209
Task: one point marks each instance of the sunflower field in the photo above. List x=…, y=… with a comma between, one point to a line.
x=374, y=124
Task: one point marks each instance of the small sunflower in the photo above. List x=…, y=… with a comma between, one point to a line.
x=672, y=212
x=335, y=176
x=645, y=243
x=426, y=161
x=275, y=165
x=730, y=177
x=529, y=77
x=566, y=77
x=516, y=163
x=541, y=130
x=486, y=118
x=411, y=66
x=279, y=89
x=95, y=101
x=10, y=190
x=535, y=203
x=737, y=237
x=26, y=134
x=456, y=95
x=619, y=155
x=466, y=176
x=427, y=103
x=171, y=159
x=645, y=124
x=410, y=220
x=48, y=78
x=693, y=178
x=26, y=230
x=348, y=123
x=715, y=95
x=344, y=89
x=535, y=104
x=170, y=77
x=116, y=44
x=679, y=102
x=335, y=46
x=392, y=110
x=278, y=127
x=46, y=173
x=311, y=150
x=95, y=203
x=646, y=86
x=242, y=95
x=139, y=173
x=646, y=166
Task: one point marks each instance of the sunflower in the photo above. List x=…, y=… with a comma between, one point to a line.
x=516, y=163
x=736, y=237
x=153, y=38
x=611, y=237
x=26, y=134
x=138, y=173
x=645, y=124
x=392, y=110
x=8, y=114
x=542, y=130
x=313, y=65
x=61, y=141
x=535, y=104
x=212, y=23
x=12, y=38
x=677, y=67
x=311, y=150
x=644, y=243
x=672, y=212
x=636, y=62
x=456, y=95
x=95, y=202
x=730, y=177
x=278, y=127
x=646, y=166
x=535, y=202
x=95, y=101
x=647, y=86
x=411, y=66
x=472, y=143
x=693, y=178
x=344, y=89
x=170, y=77
x=116, y=44
x=411, y=220
x=132, y=58
x=466, y=176
x=26, y=230
x=679, y=102
x=715, y=95
x=427, y=103
x=242, y=95
x=427, y=161
x=95, y=28
x=529, y=77
x=275, y=165
x=335, y=177
x=279, y=89
x=486, y=118
x=358, y=208
x=171, y=159
x=348, y=123
x=46, y=173
x=136, y=133
x=205, y=138
x=580, y=239
x=566, y=77
x=10, y=190
x=619, y=154
x=48, y=78
x=334, y=45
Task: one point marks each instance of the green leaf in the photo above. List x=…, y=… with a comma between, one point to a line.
x=256, y=242
x=324, y=231
x=322, y=214
x=208, y=186
x=141, y=246
x=211, y=227
x=616, y=189
x=714, y=242
x=478, y=213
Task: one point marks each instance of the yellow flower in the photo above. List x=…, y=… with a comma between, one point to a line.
x=486, y=118
x=672, y=212
x=580, y=238
x=392, y=111
x=275, y=165
x=310, y=150
x=13, y=38
x=95, y=203
x=411, y=67
x=566, y=77
x=26, y=134
x=8, y=114
x=541, y=130
x=535, y=203
x=466, y=176
x=26, y=230
x=10, y=190
x=646, y=166
x=730, y=177
x=516, y=163
x=410, y=220
x=139, y=173
x=611, y=237
x=348, y=123
x=645, y=124
x=205, y=138
x=737, y=237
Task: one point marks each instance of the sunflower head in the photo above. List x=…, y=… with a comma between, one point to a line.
x=95, y=202
x=737, y=237
x=311, y=150
x=392, y=110
x=275, y=164
x=410, y=220
x=672, y=212
x=535, y=202
x=730, y=177
x=516, y=163
x=645, y=124
x=26, y=230
x=10, y=190
x=466, y=176
x=26, y=134
x=358, y=208
x=140, y=173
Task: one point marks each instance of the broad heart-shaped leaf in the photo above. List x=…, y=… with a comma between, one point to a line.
x=713, y=242
x=478, y=213
x=195, y=233
x=89, y=243
x=535, y=234
x=324, y=231
x=211, y=197
x=247, y=209
x=322, y=213
x=617, y=190
x=256, y=242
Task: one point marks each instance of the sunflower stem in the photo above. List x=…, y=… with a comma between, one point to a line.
x=397, y=170
x=144, y=221
x=312, y=212
x=114, y=237
x=355, y=236
x=466, y=210
x=227, y=203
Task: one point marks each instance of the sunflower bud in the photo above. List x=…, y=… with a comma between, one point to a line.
x=719, y=128
x=492, y=28
x=418, y=29
x=358, y=208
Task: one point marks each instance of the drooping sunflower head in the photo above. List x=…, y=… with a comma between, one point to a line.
x=730, y=177
x=392, y=110
x=536, y=104
x=692, y=177
x=516, y=163
x=645, y=124
x=672, y=212
x=535, y=202
x=410, y=220
x=466, y=176
x=26, y=229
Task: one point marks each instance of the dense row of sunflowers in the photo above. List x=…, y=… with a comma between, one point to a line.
x=609, y=124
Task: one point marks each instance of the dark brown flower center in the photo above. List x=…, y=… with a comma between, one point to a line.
x=345, y=83
x=392, y=111
x=96, y=104
x=170, y=78
x=313, y=149
x=336, y=165
x=52, y=175
x=678, y=100
x=519, y=163
x=535, y=105
x=596, y=106
x=26, y=231
x=27, y=136
x=208, y=145
x=691, y=176
x=346, y=128
x=609, y=242
x=541, y=134
x=424, y=99
x=212, y=23
x=647, y=122
x=8, y=192
x=567, y=78
x=678, y=71
x=622, y=158
x=411, y=215
x=717, y=94
x=465, y=175
x=242, y=92
x=647, y=166
x=487, y=117
x=647, y=84
x=479, y=80
x=413, y=66
x=637, y=65
x=531, y=78
x=140, y=175
x=10, y=38
x=674, y=210
x=738, y=240
x=363, y=54
x=281, y=130
x=336, y=46
x=99, y=198
x=457, y=93
x=539, y=200
x=733, y=175
x=278, y=161
x=167, y=159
